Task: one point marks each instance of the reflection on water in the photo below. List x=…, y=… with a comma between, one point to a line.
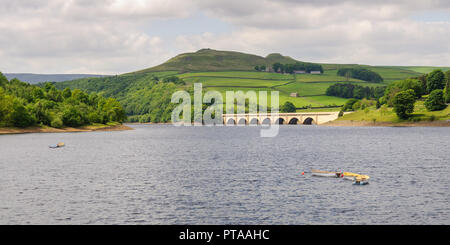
x=225, y=175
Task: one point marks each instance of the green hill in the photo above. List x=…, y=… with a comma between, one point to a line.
x=146, y=97
x=215, y=60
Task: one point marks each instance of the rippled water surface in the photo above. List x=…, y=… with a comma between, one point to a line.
x=226, y=175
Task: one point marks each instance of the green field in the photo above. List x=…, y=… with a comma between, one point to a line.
x=234, y=82
x=311, y=89
x=239, y=74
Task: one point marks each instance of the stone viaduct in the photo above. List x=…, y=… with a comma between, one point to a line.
x=307, y=118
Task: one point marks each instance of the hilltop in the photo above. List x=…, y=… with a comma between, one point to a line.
x=216, y=60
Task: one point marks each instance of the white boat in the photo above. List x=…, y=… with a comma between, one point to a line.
x=59, y=145
x=320, y=173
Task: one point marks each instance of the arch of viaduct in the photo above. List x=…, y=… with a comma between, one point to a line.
x=309, y=118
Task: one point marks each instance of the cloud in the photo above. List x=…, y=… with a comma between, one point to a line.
x=369, y=32
x=84, y=36
x=116, y=36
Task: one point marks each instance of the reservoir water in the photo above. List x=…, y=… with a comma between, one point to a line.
x=226, y=175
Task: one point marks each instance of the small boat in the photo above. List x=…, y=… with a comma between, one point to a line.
x=59, y=145
x=352, y=176
x=360, y=181
x=326, y=173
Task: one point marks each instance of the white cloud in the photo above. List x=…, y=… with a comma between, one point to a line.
x=115, y=36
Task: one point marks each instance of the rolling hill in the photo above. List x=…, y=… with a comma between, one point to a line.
x=38, y=78
x=215, y=60
x=146, y=98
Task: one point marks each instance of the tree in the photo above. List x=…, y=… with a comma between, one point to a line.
x=435, y=101
x=349, y=105
x=404, y=103
x=67, y=93
x=20, y=116
x=3, y=80
x=257, y=68
x=447, y=87
x=360, y=73
x=38, y=93
x=72, y=116
x=288, y=107
x=80, y=96
x=356, y=106
x=435, y=80
x=48, y=86
x=277, y=67
x=57, y=122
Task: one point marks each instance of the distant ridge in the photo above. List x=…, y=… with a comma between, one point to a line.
x=38, y=78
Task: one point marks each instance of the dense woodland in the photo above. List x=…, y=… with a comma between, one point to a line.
x=348, y=90
x=23, y=105
x=360, y=73
x=145, y=97
x=298, y=66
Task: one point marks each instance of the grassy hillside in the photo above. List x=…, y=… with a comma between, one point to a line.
x=223, y=71
x=214, y=60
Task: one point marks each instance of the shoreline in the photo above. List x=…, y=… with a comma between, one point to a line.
x=350, y=123
x=37, y=129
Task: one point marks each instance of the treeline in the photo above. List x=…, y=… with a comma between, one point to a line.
x=260, y=68
x=23, y=105
x=291, y=68
x=360, y=73
x=145, y=97
x=348, y=90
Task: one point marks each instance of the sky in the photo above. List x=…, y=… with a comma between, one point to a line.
x=119, y=36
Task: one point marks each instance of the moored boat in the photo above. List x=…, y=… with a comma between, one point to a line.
x=358, y=179
x=326, y=173
x=59, y=145
x=353, y=176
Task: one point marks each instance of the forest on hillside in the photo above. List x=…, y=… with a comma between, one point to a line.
x=23, y=105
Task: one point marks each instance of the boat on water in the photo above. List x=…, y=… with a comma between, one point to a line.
x=321, y=173
x=59, y=145
x=353, y=176
x=360, y=182
x=358, y=179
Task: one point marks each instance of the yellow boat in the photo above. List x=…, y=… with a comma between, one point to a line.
x=59, y=145
x=352, y=176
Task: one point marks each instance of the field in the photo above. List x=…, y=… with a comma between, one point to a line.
x=311, y=89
